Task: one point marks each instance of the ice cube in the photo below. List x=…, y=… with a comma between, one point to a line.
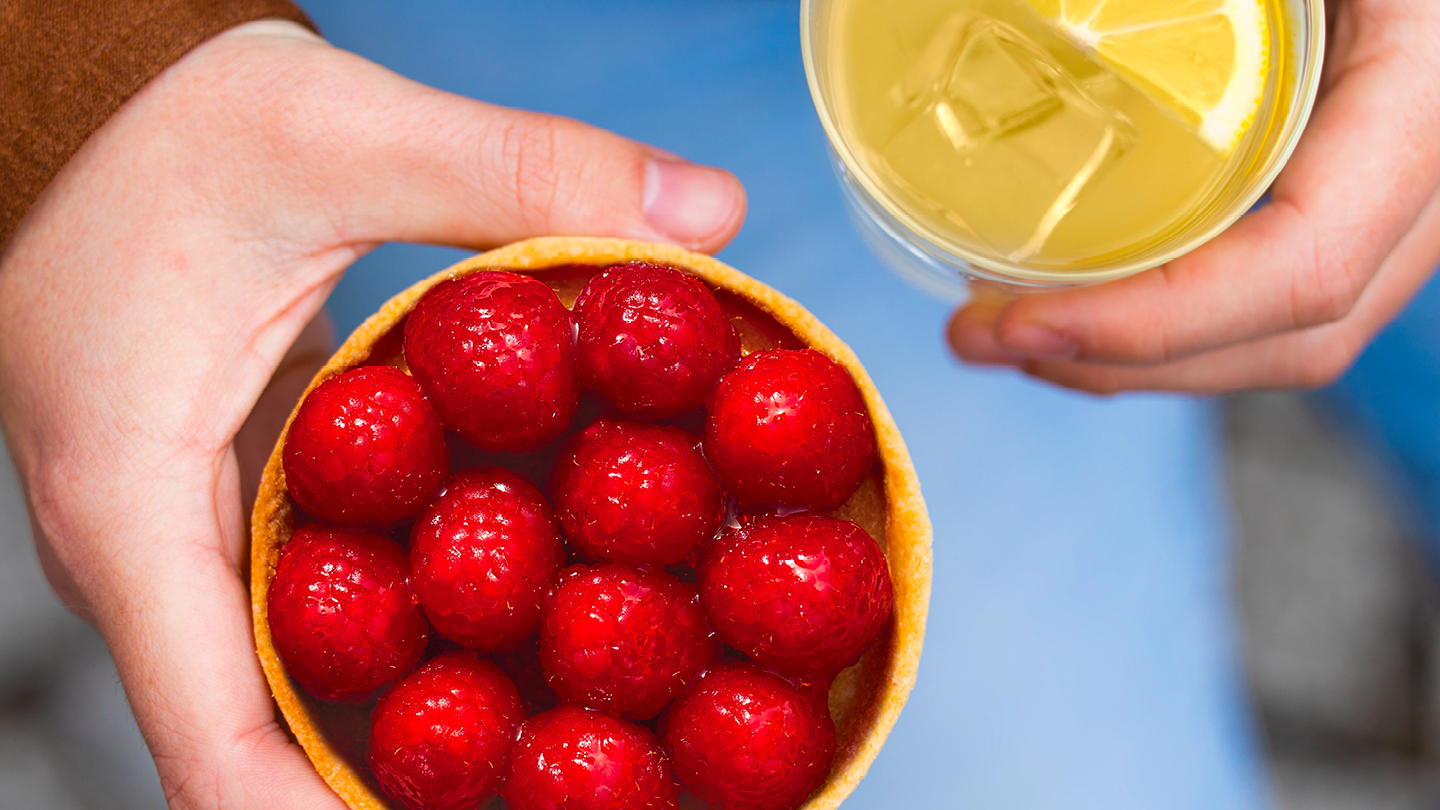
x=1006, y=141
x=966, y=83
x=997, y=83
x=1089, y=137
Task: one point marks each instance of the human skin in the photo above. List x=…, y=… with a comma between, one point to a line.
x=1291, y=294
x=167, y=277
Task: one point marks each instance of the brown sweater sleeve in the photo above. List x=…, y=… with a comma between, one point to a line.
x=69, y=64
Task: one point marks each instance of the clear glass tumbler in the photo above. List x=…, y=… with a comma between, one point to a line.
x=1028, y=112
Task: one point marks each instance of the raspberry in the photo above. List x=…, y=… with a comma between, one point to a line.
x=623, y=640
x=743, y=738
x=484, y=554
x=636, y=493
x=365, y=449
x=494, y=353
x=805, y=595
x=580, y=759
x=789, y=427
x=441, y=739
x=652, y=340
x=342, y=614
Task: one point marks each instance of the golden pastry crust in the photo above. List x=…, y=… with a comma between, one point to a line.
x=865, y=700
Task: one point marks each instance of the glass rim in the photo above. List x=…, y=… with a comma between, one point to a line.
x=1311, y=61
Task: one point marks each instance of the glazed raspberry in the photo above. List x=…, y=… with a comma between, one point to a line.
x=789, y=427
x=365, y=449
x=484, y=554
x=342, y=614
x=743, y=738
x=805, y=595
x=652, y=340
x=580, y=759
x=441, y=739
x=494, y=353
x=623, y=640
x=636, y=493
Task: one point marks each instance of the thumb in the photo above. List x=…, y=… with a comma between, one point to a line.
x=412, y=163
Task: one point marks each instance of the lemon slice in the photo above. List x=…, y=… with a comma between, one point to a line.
x=1207, y=60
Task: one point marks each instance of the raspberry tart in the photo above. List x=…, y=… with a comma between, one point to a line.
x=664, y=346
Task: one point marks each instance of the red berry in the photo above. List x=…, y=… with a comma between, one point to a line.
x=365, y=449
x=636, y=493
x=580, y=759
x=805, y=595
x=789, y=427
x=494, y=352
x=342, y=614
x=623, y=640
x=484, y=555
x=743, y=738
x=652, y=340
x=441, y=739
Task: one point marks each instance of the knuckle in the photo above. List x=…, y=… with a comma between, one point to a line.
x=1326, y=295
x=1328, y=285
x=530, y=149
x=1162, y=341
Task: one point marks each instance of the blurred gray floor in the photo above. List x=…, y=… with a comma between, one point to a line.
x=1342, y=626
x=1342, y=631
x=67, y=740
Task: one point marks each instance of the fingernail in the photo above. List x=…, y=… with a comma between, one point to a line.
x=1037, y=341
x=687, y=203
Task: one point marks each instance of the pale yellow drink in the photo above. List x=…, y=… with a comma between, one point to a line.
x=998, y=135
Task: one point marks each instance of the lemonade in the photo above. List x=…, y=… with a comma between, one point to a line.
x=1056, y=141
